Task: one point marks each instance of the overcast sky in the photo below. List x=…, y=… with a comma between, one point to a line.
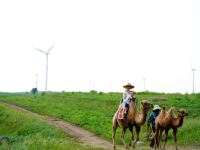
x=100, y=45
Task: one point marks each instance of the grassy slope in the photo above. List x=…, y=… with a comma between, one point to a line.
x=95, y=111
x=27, y=133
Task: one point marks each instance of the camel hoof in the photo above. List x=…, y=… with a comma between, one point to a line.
x=162, y=148
x=114, y=147
x=133, y=146
x=127, y=147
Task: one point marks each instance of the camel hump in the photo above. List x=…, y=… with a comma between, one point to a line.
x=164, y=108
x=171, y=110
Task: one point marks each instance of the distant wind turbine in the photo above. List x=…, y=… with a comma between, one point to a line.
x=47, y=54
x=144, y=83
x=193, y=70
x=36, y=80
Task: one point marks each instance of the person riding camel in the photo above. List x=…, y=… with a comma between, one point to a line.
x=127, y=96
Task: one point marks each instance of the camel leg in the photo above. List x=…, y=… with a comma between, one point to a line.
x=174, y=133
x=156, y=138
x=122, y=137
x=166, y=135
x=137, y=134
x=132, y=137
x=159, y=137
x=114, y=128
x=113, y=136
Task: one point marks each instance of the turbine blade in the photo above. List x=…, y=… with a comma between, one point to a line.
x=51, y=48
x=40, y=50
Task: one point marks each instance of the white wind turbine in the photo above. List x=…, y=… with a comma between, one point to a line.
x=47, y=54
x=193, y=70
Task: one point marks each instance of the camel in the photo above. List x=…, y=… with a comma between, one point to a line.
x=166, y=122
x=163, y=120
x=176, y=122
x=134, y=118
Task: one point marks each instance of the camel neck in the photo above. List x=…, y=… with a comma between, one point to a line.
x=178, y=121
x=141, y=116
x=144, y=112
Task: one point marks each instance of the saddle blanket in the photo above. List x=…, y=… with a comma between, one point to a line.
x=121, y=113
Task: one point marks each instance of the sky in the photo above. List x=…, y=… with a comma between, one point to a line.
x=100, y=45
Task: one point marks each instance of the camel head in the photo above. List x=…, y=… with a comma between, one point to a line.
x=182, y=112
x=146, y=105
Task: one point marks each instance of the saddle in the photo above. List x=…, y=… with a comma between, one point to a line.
x=121, y=113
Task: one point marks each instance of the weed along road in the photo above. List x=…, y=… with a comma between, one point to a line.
x=82, y=135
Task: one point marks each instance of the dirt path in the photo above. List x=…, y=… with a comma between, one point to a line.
x=82, y=135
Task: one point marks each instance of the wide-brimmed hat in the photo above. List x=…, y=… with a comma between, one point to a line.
x=155, y=107
x=128, y=85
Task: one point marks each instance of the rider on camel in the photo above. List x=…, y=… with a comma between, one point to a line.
x=127, y=96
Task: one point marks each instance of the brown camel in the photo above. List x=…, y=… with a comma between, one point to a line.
x=134, y=118
x=170, y=123
x=163, y=120
x=176, y=122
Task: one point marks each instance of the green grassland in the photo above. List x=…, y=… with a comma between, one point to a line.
x=94, y=111
x=28, y=133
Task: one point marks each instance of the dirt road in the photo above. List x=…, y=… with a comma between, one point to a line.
x=82, y=135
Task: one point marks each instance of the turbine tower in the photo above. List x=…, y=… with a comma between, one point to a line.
x=36, y=80
x=47, y=54
x=193, y=70
x=144, y=85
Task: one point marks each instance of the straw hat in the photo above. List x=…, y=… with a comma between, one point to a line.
x=128, y=85
x=156, y=107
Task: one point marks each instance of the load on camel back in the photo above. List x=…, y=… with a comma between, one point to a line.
x=127, y=116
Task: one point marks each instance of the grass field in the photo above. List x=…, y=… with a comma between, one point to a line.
x=27, y=133
x=94, y=111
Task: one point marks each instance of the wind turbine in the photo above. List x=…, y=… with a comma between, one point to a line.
x=47, y=54
x=36, y=80
x=193, y=70
x=144, y=79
